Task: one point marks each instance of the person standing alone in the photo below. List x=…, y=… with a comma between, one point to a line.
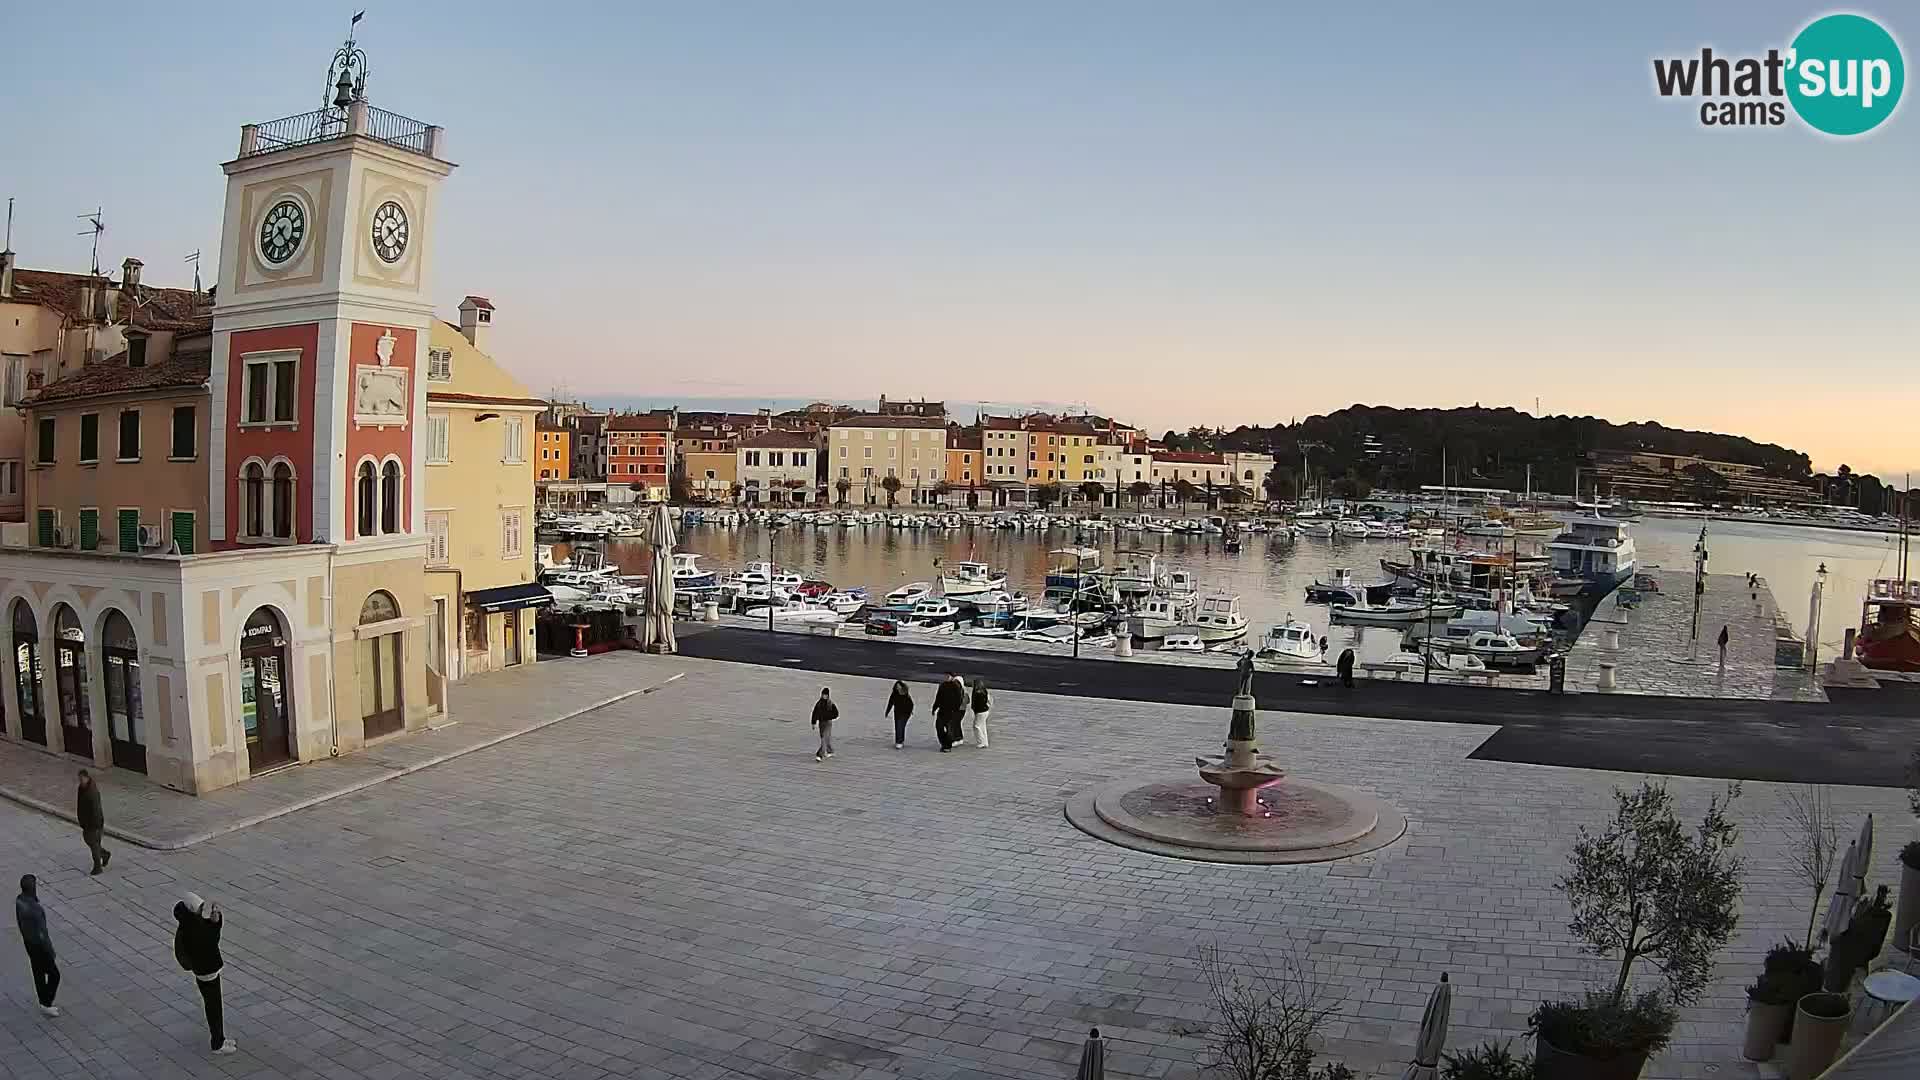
x=1723, y=646
x=900, y=707
x=93, y=821
x=196, y=944
x=949, y=706
x=982, y=705
x=825, y=712
x=32, y=919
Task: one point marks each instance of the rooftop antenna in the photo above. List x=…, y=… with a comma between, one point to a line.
x=194, y=258
x=95, y=228
x=8, y=246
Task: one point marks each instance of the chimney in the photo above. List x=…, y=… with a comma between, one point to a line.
x=6, y=275
x=476, y=319
x=130, y=274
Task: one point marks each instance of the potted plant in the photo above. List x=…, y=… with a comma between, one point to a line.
x=1644, y=887
x=1488, y=1061
x=1907, y=915
x=1770, y=1004
x=1795, y=974
x=1819, y=1023
x=1853, y=948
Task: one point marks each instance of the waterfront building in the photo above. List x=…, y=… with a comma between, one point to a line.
x=589, y=448
x=1634, y=475
x=776, y=467
x=1206, y=471
x=299, y=631
x=865, y=450
x=711, y=474
x=638, y=449
x=1249, y=470
x=921, y=407
x=479, y=481
x=55, y=324
x=966, y=470
x=553, y=451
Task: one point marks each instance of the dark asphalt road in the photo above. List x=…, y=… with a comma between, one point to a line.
x=1864, y=739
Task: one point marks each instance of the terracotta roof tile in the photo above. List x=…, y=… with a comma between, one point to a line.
x=182, y=372
x=874, y=421
x=146, y=307
x=778, y=440
x=643, y=422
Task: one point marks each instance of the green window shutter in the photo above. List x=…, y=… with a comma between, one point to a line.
x=89, y=529
x=130, y=531
x=183, y=531
x=46, y=528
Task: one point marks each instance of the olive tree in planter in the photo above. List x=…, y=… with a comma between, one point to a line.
x=1642, y=888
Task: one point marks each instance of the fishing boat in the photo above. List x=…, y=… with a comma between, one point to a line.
x=1493, y=647
x=1137, y=575
x=934, y=611
x=1396, y=610
x=910, y=593
x=845, y=603
x=1351, y=529
x=1219, y=619
x=1072, y=570
x=969, y=578
x=1343, y=589
x=795, y=611
x=1596, y=550
x=1889, y=638
x=1315, y=528
x=1161, y=614
x=1290, y=640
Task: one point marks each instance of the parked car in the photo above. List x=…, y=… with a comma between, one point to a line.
x=883, y=627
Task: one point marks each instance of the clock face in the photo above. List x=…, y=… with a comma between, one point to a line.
x=281, y=231
x=389, y=231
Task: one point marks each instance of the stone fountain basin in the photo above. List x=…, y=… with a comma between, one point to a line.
x=1310, y=822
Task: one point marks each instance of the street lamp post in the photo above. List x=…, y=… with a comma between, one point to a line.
x=1699, y=591
x=1813, y=618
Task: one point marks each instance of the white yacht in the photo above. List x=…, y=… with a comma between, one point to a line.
x=1351, y=529
x=845, y=603
x=1314, y=528
x=971, y=578
x=687, y=573
x=1290, y=640
x=1219, y=619
x=794, y=610
x=1596, y=550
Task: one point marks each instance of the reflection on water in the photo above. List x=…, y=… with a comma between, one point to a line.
x=1271, y=574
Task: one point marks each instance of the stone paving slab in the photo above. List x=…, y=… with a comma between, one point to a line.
x=483, y=711
x=671, y=887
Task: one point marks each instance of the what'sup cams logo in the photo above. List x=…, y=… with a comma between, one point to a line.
x=1842, y=75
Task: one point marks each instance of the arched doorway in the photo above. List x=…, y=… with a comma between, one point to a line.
x=120, y=663
x=70, y=677
x=26, y=673
x=263, y=691
x=378, y=659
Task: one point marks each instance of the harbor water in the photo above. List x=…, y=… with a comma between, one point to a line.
x=1270, y=574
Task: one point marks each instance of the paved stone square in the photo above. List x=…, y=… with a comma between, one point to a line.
x=672, y=887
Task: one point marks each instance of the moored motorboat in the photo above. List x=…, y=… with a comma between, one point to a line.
x=969, y=578
x=910, y=593
x=1290, y=640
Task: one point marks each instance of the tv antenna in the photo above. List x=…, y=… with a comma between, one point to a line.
x=94, y=229
x=8, y=245
x=194, y=258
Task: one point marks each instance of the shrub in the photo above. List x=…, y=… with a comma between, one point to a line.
x=1910, y=855
x=1602, y=1028
x=1488, y=1061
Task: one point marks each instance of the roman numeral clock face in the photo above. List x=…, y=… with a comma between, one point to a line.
x=389, y=232
x=281, y=231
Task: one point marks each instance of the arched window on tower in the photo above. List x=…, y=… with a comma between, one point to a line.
x=367, y=499
x=390, y=498
x=283, y=501
x=253, y=500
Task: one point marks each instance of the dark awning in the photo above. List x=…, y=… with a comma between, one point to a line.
x=508, y=597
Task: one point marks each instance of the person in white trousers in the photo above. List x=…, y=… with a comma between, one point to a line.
x=982, y=705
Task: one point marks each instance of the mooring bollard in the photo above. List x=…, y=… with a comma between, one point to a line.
x=1123, y=645
x=712, y=611
x=1613, y=639
x=1607, y=676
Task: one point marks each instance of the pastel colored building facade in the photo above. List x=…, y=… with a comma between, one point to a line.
x=291, y=625
x=639, y=454
x=553, y=451
x=866, y=450
x=776, y=467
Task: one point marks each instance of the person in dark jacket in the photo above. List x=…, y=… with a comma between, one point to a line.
x=196, y=944
x=900, y=707
x=949, y=707
x=33, y=934
x=93, y=821
x=982, y=705
x=1345, y=666
x=825, y=712
x=1723, y=646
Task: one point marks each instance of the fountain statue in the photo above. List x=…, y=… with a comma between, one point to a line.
x=1243, y=770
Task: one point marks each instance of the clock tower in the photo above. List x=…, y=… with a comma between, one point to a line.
x=319, y=355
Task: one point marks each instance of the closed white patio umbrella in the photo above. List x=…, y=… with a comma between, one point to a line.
x=1846, y=891
x=1093, y=1058
x=1433, y=1034
x=660, y=590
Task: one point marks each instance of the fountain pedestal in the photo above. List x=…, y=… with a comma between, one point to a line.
x=1243, y=770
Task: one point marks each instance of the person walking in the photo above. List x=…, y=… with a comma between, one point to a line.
x=32, y=919
x=825, y=712
x=196, y=944
x=900, y=707
x=982, y=705
x=949, y=705
x=93, y=821
x=1345, y=667
x=1723, y=645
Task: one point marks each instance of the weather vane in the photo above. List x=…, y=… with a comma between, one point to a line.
x=347, y=74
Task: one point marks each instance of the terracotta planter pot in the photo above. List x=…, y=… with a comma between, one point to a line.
x=1552, y=1063
x=1816, y=1039
x=1906, y=911
x=1766, y=1026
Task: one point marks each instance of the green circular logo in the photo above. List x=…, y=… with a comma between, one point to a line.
x=1845, y=74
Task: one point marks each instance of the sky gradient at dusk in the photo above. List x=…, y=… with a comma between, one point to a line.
x=1180, y=214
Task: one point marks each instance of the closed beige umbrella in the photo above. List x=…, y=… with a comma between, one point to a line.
x=1433, y=1034
x=1093, y=1058
x=660, y=593
x=1846, y=890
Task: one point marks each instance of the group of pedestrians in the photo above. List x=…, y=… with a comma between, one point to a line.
x=952, y=703
x=196, y=939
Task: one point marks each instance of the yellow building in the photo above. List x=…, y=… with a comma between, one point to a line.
x=479, y=496
x=553, y=450
x=710, y=474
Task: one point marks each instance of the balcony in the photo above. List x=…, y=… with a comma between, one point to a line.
x=322, y=125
